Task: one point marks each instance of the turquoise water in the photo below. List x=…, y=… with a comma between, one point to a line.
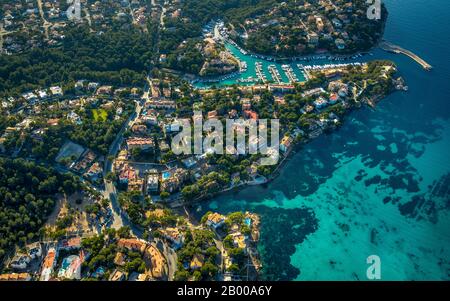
x=251, y=70
x=379, y=185
x=165, y=175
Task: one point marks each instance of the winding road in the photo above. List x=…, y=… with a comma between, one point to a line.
x=120, y=218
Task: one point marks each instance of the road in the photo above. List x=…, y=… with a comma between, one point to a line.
x=121, y=219
x=110, y=192
x=46, y=24
x=88, y=18
x=3, y=33
x=170, y=255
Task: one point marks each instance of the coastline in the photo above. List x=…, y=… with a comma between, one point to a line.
x=293, y=151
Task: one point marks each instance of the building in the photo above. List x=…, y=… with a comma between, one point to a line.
x=152, y=181
x=320, y=102
x=104, y=90
x=174, y=180
x=312, y=92
x=308, y=108
x=197, y=262
x=215, y=220
x=30, y=97
x=132, y=244
x=149, y=119
x=56, y=91
x=42, y=94
x=48, y=265
x=239, y=240
x=136, y=184
x=174, y=236
x=145, y=144
x=333, y=98
x=286, y=144
x=20, y=261
x=340, y=44
x=93, y=86
x=156, y=260
x=139, y=129
x=73, y=243
x=119, y=259
x=319, y=24
x=282, y=88
x=343, y=91
x=15, y=277
x=34, y=250
x=117, y=276
x=162, y=104
x=313, y=38
x=95, y=172
x=74, y=117
x=79, y=85
x=249, y=114
x=126, y=174
x=71, y=267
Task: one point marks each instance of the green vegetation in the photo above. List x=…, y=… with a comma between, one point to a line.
x=100, y=115
x=27, y=196
x=198, y=244
x=117, y=57
x=96, y=135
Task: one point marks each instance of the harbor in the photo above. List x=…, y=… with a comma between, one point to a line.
x=255, y=69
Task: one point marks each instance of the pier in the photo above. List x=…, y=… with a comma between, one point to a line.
x=259, y=72
x=275, y=74
x=290, y=73
x=387, y=46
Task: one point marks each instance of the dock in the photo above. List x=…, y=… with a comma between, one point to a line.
x=387, y=46
x=275, y=74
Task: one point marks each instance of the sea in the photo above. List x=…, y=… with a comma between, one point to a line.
x=379, y=185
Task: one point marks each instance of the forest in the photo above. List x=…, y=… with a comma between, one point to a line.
x=114, y=57
x=27, y=196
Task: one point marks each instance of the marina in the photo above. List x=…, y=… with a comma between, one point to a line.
x=275, y=74
x=254, y=69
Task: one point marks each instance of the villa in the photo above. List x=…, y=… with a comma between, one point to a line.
x=251, y=114
x=197, y=262
x=340, y=44
x=286, y=144
x=174, y=236
x=56, y=91
x=126, y=174
x=70, y=244
x=320, y=103
x=333, y=98
x=215, y=220
x=144, y=144
x=15, y=277
x=48, y=265
x=153, y=181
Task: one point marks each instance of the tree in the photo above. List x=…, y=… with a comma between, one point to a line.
x=27, y=197
x=182, y=275
x=209, y=270
x=164, y=195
